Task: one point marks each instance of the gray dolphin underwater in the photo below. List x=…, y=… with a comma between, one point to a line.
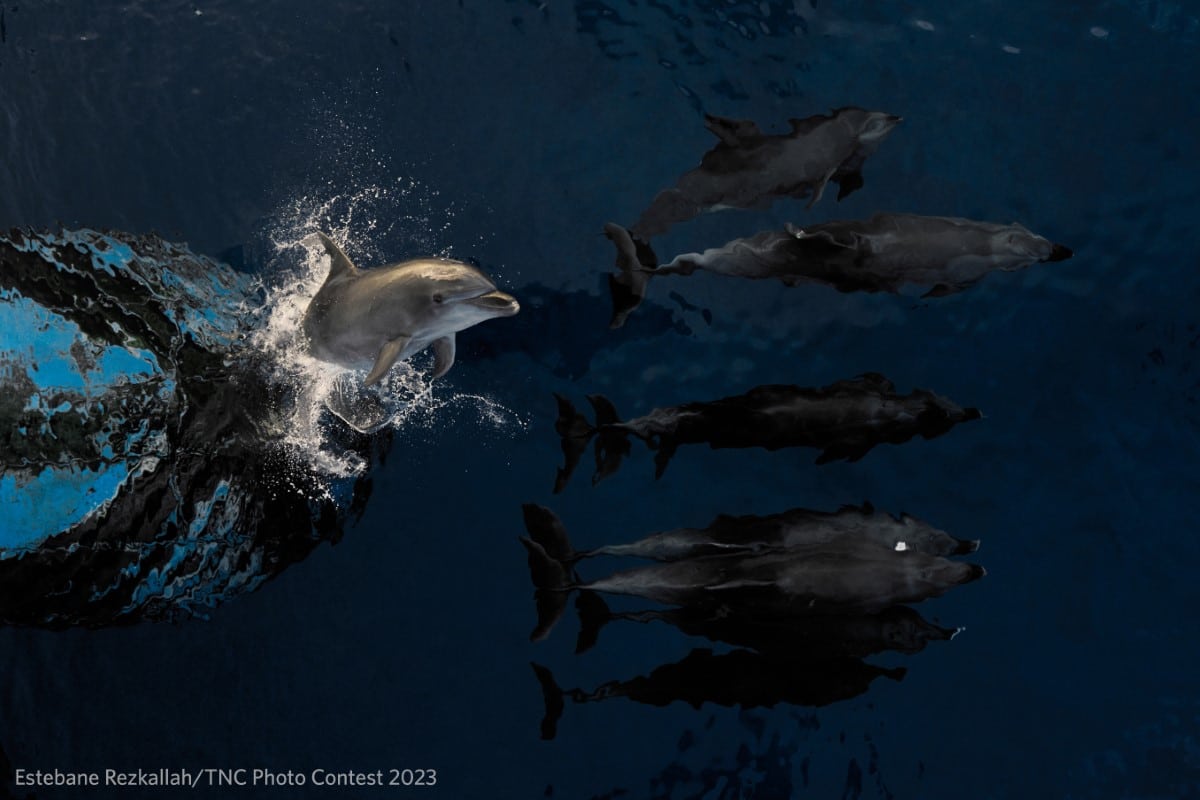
x=748, y=167
x=387, y=314
x=840, y=576
x=790, y=530
x=882, y=254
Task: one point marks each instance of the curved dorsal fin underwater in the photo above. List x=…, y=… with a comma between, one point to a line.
x=386, y=314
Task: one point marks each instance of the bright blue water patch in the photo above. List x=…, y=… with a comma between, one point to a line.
x=37, y=507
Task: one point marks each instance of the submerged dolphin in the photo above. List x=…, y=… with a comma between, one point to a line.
x=840, y=577
x=790, y=530
x=881, y=254
x=844, y=420
x=748, y=167
x=387, y=314
x=787, y=564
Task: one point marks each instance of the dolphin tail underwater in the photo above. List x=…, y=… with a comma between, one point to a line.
x=636, y=262
x=612, y=443
x=554, y=581
x=554, y=698
x=550, y=556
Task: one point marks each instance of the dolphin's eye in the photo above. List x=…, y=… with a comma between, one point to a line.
x=437, y=298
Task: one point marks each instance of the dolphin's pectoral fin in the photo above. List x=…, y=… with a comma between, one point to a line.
x=361, y=409
x=341, y=263
x=443, y=355
x=388, y=354
x=819, y=189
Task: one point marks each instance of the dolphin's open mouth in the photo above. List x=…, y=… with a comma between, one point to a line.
x=496, y=302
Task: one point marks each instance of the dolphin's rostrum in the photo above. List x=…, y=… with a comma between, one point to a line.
x=384, y=315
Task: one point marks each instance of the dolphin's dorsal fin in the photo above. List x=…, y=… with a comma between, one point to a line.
x=733, y=131
x=340, y=263
x=388, y=354
x=443, y=355
x=808, y=124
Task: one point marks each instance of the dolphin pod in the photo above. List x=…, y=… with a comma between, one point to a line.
x=387, y=314
x=882, y=254
x=845, y=420
x=804, y=595
x=748, y=168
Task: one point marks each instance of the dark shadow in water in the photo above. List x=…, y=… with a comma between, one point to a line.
x=844, y=420
x=739, y=678
x=564, y=330
x=202, y=505
x=897, y=629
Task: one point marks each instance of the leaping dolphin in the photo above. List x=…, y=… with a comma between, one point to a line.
x=390, y=313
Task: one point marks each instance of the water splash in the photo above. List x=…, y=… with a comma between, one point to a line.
x=321, y=396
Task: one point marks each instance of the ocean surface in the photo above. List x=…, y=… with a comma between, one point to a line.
x=507, y=134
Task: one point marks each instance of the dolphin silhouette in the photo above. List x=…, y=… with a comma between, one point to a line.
x=845, y=420
x=390, y=313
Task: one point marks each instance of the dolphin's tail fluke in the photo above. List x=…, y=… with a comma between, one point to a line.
x=594, y=614
x=552, y=579
x=546, y=529
x=612, y=444
x=552, y=696
x=575, y=432
x=635, y=261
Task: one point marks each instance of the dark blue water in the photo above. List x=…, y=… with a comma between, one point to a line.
x=508, y=133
